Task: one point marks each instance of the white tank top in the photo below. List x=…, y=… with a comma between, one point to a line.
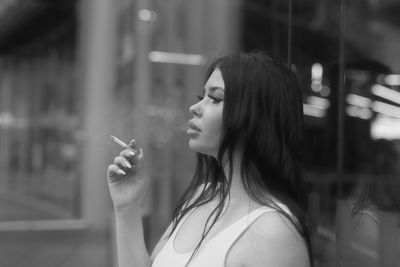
x=213, y=252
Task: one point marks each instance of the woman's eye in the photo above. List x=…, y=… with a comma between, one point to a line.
x=215, y=99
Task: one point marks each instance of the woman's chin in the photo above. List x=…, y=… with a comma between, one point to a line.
x=196, y=147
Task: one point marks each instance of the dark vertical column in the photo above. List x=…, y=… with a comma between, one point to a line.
x=341, y=93
x=343, y=224
x=289, y=33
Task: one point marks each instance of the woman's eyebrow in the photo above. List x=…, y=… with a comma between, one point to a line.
x=214, y=88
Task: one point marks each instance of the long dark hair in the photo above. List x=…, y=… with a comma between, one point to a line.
x=263, y=115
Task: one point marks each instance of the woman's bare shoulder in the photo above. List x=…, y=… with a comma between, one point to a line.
x=271, y=240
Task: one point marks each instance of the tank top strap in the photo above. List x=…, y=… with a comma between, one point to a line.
x=214, y=251
x=255, y=214
x=182, y=221
x=218, y=247
x=246, y=221
x=167, y=255
x=229, y=236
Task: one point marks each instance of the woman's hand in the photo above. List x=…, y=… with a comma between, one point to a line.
x=125, y=178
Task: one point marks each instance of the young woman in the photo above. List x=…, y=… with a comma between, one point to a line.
x=245, y=204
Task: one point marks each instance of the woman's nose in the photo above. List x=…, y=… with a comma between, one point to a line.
x=195, y=109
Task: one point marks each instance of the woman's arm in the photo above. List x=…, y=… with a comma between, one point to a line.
x=127, y=187
x=130, y=239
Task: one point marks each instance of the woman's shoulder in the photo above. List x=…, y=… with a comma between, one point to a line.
x=271, y=240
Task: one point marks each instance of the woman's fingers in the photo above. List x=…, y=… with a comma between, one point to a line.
x=140, y=158
x=114, y=170
x=135, y=157
x=122, y=162
x=132, y=144
x=128, y=154
x=128, y=163
x=114, y=173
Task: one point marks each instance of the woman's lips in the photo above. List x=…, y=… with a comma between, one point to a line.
x=193, y=126
x=192, y=133
x=193, y=130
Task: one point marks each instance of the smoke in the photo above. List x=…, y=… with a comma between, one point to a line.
x=160, y=123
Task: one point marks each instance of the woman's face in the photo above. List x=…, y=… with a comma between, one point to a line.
x=205, y=127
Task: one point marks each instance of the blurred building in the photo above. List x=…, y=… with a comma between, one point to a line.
x=40, y=110
x=73, y=72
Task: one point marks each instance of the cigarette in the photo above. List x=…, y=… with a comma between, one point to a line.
x=120, y=142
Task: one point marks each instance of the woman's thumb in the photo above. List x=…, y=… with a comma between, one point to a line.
x=132, y=143
x=140, y=158
x=141, y=154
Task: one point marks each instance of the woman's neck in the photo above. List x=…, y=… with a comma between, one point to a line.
x=238, y=194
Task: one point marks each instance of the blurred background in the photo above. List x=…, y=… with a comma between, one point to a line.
x=73, y=72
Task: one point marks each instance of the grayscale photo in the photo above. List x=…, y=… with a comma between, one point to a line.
x=199, y=133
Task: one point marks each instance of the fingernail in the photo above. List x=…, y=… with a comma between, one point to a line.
x=131, y=153
x=133, y=141
x=126, y=164
x=121, y=172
